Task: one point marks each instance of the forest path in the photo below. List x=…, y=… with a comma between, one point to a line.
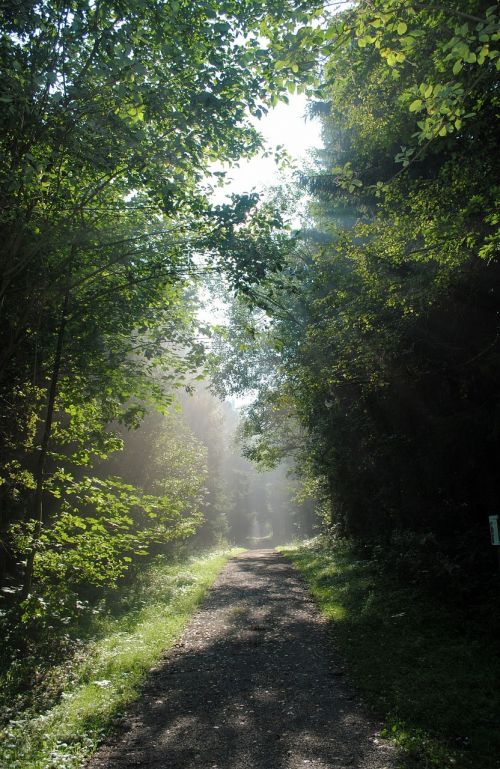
x=252, y=684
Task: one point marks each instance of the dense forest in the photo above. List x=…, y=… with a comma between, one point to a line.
x=112, y=119
x=361, y=297
x=375, y=350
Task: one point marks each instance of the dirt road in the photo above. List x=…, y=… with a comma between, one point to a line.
x=253, y=684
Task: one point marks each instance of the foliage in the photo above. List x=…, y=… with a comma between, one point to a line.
x=113, y=116
x=379, y=349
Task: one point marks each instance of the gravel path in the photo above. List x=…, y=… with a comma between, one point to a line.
x=252, y=684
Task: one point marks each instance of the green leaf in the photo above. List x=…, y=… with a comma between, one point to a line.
x=416, y=105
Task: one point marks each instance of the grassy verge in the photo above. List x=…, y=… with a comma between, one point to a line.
x=431, y=670
x=109, y=670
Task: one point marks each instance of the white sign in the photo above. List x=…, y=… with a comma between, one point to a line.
x=495, y=534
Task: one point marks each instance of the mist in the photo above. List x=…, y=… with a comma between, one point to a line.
x=192, y=453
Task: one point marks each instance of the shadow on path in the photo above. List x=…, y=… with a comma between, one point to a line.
x=251, y=685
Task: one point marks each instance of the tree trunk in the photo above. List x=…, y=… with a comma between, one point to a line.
x=37, y=509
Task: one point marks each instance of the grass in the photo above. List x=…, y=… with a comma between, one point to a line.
x=430, y=669
x=107, y=674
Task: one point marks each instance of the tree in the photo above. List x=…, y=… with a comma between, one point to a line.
x=112, y=117
x=387, y=331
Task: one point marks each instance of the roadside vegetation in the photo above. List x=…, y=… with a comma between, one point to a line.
x=428, y=664
x=74, y=704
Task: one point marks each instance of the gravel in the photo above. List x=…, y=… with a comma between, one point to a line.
x=253, y=683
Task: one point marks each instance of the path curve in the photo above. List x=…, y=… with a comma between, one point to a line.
x=252, y=684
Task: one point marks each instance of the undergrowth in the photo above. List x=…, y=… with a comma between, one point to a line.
x=429, y=667
x=103, y=675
